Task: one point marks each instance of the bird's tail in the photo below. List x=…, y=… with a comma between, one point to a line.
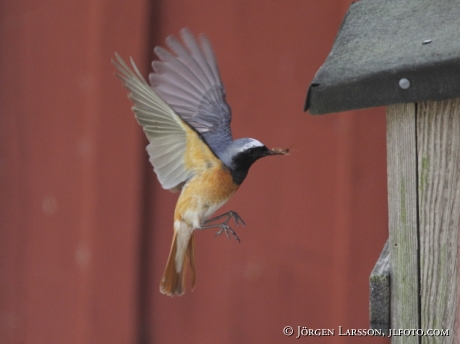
x=182, y=251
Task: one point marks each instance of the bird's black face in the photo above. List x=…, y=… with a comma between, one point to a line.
x=244, y=159
x=242, y=153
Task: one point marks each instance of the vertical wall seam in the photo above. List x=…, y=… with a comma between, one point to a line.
x=417, y=181
x=145, y=289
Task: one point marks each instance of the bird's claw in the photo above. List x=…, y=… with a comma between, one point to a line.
x=226, y=228
x=237, y=218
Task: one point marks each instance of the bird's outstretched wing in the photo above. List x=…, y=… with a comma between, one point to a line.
x=176, y=151
x=189, y=82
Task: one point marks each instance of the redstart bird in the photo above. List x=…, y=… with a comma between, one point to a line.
x=186, y=119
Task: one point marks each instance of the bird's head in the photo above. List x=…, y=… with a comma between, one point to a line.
x=244, y=152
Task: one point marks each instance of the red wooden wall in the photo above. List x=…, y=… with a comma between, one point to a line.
x=85, y=228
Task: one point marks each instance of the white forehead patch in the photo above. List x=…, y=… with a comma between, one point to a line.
x=251, y=143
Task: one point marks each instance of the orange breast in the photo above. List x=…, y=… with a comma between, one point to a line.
x=206, y=192
x=209, y=188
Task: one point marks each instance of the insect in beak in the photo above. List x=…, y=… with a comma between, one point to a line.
x=278, y=151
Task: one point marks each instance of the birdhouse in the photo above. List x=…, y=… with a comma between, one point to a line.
x=405, y=55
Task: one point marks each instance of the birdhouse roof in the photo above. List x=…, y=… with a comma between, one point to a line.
x=389, y=52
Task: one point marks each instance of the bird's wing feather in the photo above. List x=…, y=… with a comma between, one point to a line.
x=189, y=82
x=172, y=141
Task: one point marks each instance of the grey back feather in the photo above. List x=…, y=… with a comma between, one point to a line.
x=189, y=82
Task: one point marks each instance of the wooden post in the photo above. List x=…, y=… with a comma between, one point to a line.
x=402, y=209
x=438, y=172
x=423, y=143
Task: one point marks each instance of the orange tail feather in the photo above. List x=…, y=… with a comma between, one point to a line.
x=173, y=282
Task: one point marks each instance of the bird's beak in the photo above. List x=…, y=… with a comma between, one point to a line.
x=278, y=151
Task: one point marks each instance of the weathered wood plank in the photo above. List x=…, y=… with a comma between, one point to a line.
x=379, y=307
x=402, y=204
x=438, y=142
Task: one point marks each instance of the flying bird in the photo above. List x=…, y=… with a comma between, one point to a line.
x=186, y=119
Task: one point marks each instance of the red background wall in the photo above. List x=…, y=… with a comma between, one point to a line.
x=85, y=228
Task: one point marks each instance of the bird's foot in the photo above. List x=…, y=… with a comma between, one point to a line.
x=226, y=228
x=229, y=215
